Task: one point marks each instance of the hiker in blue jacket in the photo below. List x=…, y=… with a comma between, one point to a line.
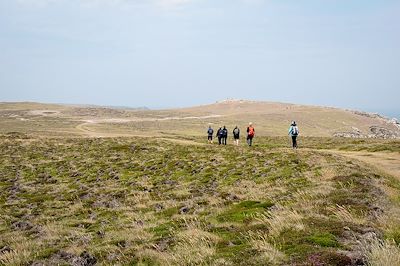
x=294, y=132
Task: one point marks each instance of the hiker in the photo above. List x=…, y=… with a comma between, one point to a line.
x=210, y=133
x=236, y=133
x=294, y=132
x=224, y=135
x=250, y=134
x=219, y=135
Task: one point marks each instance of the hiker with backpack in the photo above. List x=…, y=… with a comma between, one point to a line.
x=236, y=133
x=210, y=133
x=219, y=135
x=250, y=134
x=294, y=132
x=224, y=135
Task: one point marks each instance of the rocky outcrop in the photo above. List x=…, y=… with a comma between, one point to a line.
x=395, y=122
x=371, y=115
x=374, y=132
x=391, y=131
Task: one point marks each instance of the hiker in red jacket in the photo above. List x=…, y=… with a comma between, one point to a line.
x=250, y=134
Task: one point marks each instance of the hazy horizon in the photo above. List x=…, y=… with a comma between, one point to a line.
x=177, y=53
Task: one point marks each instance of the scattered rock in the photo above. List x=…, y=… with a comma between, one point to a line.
x=375, y=132
x=232, y=197
x=101, y=233
x=169, y=182
x=63, y=255
x=85, y=259
x=376, y=212
x=46, y=178
x=328, y=258
x=37, y=263
x=356, y=257
x=382, y=133
x=158, y=207
x=112, y=257
x=5, y=249
x=139, y=223
x=114, y=175
x=75, y=174
x=370, y=115
x=22, y=225
x=163, y=244
x=114, y=203
x=184, y=210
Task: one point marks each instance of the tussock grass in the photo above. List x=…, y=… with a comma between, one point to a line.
x=269, y=251
x=22, y=249
x=124, y=201
x=281, y=219
x=382, y=252
x=344, y=215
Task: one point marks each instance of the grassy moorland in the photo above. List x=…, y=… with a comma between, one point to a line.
x=143, y=201
x=270, y=119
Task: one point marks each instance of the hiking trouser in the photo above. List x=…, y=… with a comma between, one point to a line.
x=224, y=140
x=219, y=140
x=249, y=140
x=294, y=141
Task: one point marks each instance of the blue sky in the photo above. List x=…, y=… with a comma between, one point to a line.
x=170, y=53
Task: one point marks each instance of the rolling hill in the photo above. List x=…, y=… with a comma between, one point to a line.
x=269, y=118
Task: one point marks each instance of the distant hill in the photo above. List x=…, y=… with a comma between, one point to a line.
x=269, y=118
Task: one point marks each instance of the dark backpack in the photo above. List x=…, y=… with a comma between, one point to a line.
x=236, y=131
x=210, y=131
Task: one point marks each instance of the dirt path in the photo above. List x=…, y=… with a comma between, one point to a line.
x=387, y=162
x=83, y=128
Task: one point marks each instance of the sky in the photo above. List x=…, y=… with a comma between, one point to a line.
x=175, y=53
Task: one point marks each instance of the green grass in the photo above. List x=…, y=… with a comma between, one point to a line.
x=323, y=240
x=244, y=211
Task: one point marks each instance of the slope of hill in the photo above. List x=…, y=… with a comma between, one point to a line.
x=269, y=118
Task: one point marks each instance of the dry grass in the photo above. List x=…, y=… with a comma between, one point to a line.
x=281, y=219
x=379, y=252
x=270, y=253
x=22, y=251
x=194, y=247
x=344, y=215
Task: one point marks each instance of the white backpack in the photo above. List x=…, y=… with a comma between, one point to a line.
x=295, y=131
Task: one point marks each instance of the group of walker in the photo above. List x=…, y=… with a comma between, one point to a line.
x=222, y=134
